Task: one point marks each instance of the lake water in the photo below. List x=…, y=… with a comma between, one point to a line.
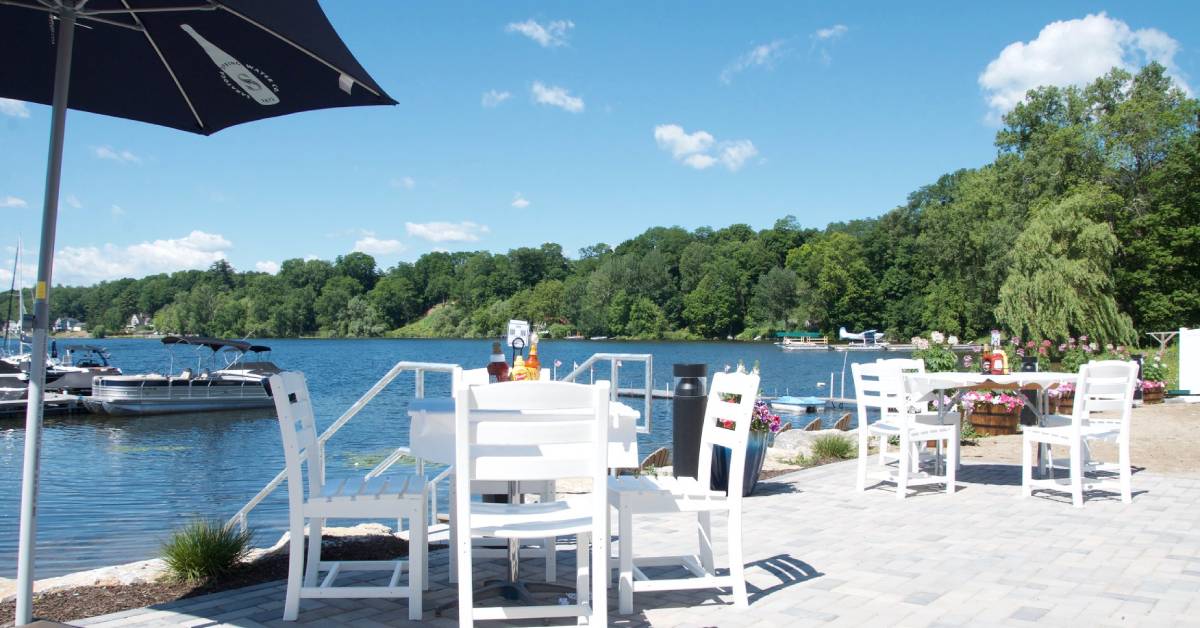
x=113, y=488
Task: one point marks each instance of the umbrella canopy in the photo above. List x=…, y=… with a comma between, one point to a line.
x=193, y=65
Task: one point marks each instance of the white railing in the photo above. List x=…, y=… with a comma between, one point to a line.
x=614, y=361
x=419, y=369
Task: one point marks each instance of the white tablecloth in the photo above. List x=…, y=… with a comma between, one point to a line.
x=431, y=435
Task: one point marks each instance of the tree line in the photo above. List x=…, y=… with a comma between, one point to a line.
x=1086, y=222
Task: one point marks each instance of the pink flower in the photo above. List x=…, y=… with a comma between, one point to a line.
x=1046, y=343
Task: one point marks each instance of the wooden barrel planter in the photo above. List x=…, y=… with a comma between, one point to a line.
x=994, y=420
x=1153, y=396
x=1063, y=404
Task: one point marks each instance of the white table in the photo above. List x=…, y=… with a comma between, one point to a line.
x=933, y=387
x=431, y=433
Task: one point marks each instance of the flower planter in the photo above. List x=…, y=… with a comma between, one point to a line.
x=995, y=420
x=1063, y=404
x=1153, y=395
x=756, y=454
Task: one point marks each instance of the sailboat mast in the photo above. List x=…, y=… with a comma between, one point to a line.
x=8, y=316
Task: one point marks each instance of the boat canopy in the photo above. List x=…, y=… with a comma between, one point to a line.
x=216, y=344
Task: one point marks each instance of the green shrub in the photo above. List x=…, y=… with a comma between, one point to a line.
x=204, y=550
x=830, y=447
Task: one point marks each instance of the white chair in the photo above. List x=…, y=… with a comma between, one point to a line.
x=631, y=495
x=883, y=428
x=385, y=497
x=1105, y=387
x=543, y=490
x=534, y=431
x=883, y=387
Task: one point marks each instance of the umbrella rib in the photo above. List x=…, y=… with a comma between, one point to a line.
x=298, y=47
x=43, y=6
x=171, y=71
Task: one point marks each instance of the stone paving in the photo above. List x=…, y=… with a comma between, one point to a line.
x=821, y=554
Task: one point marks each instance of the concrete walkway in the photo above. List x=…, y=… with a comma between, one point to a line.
x=821, y=554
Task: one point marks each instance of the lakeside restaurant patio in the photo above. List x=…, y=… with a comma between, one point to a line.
x=820, y=553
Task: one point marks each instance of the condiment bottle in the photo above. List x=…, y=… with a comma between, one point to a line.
x=986, y=363
x=999, y=363
x=533, y=365
x=497, y=367
x=519, y=372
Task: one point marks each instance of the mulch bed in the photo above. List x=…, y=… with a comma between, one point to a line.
x=767, y=474
x=80, y=602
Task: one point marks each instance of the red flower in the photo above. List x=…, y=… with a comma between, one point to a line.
x=727, y=424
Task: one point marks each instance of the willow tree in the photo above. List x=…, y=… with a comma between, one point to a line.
x=1060, y=282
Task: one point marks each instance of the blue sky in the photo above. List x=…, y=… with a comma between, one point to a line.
x=604, y=119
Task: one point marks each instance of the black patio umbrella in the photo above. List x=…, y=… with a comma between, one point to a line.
x=193, y=65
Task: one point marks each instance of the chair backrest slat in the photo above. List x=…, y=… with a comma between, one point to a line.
x=533, y=430
x=731, y=399
x=298, y=429
x=1105, y=387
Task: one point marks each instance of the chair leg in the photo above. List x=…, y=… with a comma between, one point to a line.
x=582, y=590
x=418, y=557
x=625, y=568
x=452, y=576
x=902, y=469
x=1027, y=467
x=862, y=462
x=1126, y=472
x=313, y=564
x=1077, y=474
x=883, y=443
x=291, y=604
x=737, y=564
x=599, y=582
x=951, y=464
x=704, y=532
x=466, y=601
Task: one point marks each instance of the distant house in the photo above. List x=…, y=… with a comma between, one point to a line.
x=138, y=321
x=68, y=324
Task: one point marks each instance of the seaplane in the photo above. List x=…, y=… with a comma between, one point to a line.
x=868, y=338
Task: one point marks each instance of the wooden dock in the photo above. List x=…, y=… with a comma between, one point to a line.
x=56, y=404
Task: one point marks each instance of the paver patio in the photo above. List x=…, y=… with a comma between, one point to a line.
x=822, y=554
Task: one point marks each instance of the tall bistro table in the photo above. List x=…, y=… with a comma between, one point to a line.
x=933, y=386
x=432, y=438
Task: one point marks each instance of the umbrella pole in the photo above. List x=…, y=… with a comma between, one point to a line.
x=41, y=320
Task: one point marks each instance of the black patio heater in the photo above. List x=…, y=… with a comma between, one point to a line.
x=687, y=409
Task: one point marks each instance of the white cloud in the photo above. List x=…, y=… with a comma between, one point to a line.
x=764, y=55
x=372, y=245
x=823, y=38
x=493, y=98
x=833, y=32
x=267, y=266
x=519, y=201
x=695, y=150
x=557, y=97
x=734, y=154
x=12, y=201
x=405, y=183
x=552, y=35
x=14, y=108
x=121, y=156
x=466, y=231
x=117, y=210
x=89, y=264
x=1073, y=52
x=73, y=201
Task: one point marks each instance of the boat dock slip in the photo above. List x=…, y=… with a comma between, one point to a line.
x=56, y=404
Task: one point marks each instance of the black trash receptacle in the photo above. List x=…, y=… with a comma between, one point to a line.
x=687, y=420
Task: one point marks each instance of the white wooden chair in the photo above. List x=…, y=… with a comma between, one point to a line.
x=882, y=387
x=631, y=495
x=1106, y=387
x=384, y=497
x=534, y=431
x=884, y=427
x=545, y=491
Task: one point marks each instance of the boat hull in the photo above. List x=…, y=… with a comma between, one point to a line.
x=123, y=396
